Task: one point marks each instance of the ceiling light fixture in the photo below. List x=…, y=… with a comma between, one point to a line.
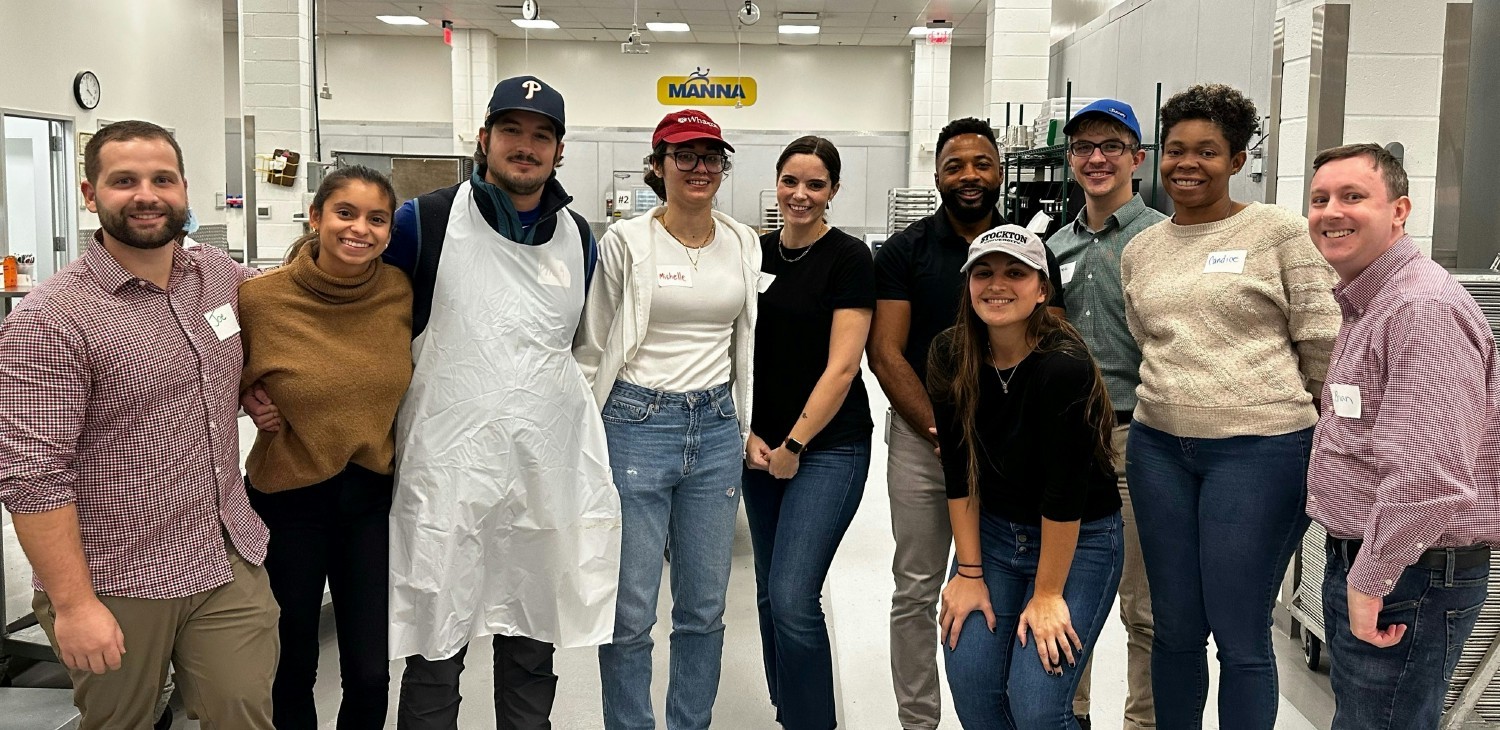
x=798, y=29
x=668, y=27
x=750, y=14
x=793, y=16
x=539, y=24
x=400, y=20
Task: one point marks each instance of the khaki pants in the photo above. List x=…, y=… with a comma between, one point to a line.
x=1135, y=613
x=919, y=520
x=222, y=644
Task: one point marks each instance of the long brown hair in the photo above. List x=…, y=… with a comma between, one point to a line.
x=960, y=353
x=333, y=182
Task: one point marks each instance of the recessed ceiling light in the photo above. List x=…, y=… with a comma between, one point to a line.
x=401, y=19
x=798, y=29
x=538, y=24
x=918, y=30
x=668, y=27
x=798, y=16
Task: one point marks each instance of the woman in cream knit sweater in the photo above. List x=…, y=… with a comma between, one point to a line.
x=328, y=337
x=1233, y=309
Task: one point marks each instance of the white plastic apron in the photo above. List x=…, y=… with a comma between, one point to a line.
x=505, y=518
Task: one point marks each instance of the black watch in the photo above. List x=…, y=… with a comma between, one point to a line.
x=794, y=446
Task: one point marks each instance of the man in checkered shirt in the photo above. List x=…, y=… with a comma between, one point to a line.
x=119, y=456
x=1405, y=470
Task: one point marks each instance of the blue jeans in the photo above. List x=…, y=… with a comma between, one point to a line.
x=1401, y=686
x=676, y=459
x=1219, y=520
x=795, y=527
x=996, y=682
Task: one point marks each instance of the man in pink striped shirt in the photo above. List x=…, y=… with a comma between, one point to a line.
x=1405, y=470
x=119, y=456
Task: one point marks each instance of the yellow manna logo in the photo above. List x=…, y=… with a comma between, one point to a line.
x=700, y=89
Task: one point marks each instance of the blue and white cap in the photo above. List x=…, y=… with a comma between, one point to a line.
x=527, y=93
x=1112, y=109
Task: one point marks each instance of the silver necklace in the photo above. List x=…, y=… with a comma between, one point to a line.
x=781, y=246
x=1004, y=381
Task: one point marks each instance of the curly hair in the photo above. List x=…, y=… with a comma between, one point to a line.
x=1225, y=106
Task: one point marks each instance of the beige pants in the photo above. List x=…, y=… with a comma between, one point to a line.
x=1135, y=613
x=919, y=520
x=222, y=645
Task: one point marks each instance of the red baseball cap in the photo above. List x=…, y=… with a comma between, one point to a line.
x=687, y=125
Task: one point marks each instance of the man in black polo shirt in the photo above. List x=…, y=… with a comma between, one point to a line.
x=918, y=289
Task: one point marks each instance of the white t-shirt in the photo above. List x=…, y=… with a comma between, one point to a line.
x=693, y=309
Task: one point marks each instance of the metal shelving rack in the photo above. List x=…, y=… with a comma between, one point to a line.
x=905, y=206
x=1052, y=159
x=770, y=212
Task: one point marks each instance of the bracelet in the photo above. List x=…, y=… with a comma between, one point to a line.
x=970, y=565
x=971, y=577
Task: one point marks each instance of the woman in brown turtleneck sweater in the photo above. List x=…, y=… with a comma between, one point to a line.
x=328, y=337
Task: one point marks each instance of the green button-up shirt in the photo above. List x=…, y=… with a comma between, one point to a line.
x=1090, y=266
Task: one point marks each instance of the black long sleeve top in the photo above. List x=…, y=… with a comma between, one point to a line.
x=1036, y=447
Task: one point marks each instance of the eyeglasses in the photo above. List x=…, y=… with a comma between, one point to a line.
x=687, y=160
x=1110, y=148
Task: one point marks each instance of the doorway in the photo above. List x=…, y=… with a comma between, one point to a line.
x=39, y=182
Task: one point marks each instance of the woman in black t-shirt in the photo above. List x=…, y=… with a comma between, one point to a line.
x=1024, y=426
x=809, y=447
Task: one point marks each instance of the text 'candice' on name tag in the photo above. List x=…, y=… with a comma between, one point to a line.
x=1225, y=262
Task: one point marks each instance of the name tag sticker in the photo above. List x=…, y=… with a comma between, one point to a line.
x=1345, y=400
x=674, y=276
x=1225, y=262
x=764, y=282
x=1066, y=272
x=222, y=319
x=553, y=272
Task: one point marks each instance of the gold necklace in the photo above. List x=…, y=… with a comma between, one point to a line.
x=687, y=249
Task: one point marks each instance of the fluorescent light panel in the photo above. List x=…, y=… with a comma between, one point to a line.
x=400, y=20
x=798, y=16
x=798, y=29
x=539, y=24
x=668, y=27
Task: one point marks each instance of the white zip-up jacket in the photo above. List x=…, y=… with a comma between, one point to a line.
x=618, y=309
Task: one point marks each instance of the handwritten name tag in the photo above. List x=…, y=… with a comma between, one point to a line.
x=222, y=319
x=1225, y=262
x=674, y=276
x=1345, y=400
x=553, y=272
x=764, y=282
x=1065, y=272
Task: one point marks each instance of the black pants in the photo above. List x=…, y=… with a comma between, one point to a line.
x=333, y=531
x=524, y=688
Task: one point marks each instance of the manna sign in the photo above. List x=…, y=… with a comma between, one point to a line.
x=700, y=89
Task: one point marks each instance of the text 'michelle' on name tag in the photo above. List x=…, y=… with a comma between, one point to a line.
x=1225, y=262
x=674, y=276
x=1345, y=400
x=222, y=319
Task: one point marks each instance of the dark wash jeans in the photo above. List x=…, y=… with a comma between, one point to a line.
x=796, y=525
x=997, y=683
x=1219, y=520
x=1400, y=687
x=333, y=531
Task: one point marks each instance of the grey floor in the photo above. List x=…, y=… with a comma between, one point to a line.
x=857, y=601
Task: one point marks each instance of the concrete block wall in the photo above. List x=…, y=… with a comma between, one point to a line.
x=1017, y=36
x=929, y=108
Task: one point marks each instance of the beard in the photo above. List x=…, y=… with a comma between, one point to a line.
x=117, y=225
x=513, y=183
x=966, y=212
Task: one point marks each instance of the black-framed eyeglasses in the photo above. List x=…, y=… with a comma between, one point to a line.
x=1110, y=148
x=687, y=160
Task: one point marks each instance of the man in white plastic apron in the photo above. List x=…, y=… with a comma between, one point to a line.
x=505, y=520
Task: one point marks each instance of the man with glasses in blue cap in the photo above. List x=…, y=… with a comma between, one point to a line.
x=1104, y=150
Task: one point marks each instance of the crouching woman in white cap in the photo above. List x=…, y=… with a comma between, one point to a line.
x=1024, y=426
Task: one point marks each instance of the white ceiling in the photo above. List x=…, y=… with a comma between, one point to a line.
x=844, y=22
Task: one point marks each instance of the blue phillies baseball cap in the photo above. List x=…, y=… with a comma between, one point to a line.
x=527, y=93
x=1112, y=109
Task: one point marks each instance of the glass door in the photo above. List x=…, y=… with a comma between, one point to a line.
x=39, y=183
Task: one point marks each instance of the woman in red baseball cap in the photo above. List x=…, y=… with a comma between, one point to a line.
x=667, y=341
